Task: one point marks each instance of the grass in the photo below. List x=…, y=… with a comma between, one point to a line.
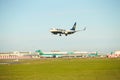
x=61, y=69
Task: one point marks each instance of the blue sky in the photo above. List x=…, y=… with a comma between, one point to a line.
x=25, y=25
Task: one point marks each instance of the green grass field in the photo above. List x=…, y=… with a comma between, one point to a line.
x=61, y=69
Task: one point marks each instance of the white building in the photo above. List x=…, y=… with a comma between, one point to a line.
x=114, y=55
x=18, y=55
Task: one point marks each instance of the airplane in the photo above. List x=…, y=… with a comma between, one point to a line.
x=52, y=54
x=49, y=54
x=56, y=31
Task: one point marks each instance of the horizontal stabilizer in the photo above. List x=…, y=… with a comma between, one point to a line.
x=82, y=29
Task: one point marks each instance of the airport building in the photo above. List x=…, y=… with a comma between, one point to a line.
x=114, y=54
x=55, y=54
x=18, y=55
x=8, y=55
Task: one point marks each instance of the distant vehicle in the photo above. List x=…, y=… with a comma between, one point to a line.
x=56, y=31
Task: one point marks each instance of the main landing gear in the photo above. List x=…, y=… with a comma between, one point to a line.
x=59, y=34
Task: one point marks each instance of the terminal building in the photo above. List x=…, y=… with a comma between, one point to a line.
x=54, y=54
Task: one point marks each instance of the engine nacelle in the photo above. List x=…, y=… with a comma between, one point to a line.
x=66, y=32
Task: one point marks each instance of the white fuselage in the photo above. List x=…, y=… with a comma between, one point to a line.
x=61, y=31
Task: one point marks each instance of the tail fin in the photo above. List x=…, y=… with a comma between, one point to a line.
x=40, y=52
x=74, y=26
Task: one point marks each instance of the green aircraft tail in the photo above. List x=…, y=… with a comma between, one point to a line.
x=40, y=52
